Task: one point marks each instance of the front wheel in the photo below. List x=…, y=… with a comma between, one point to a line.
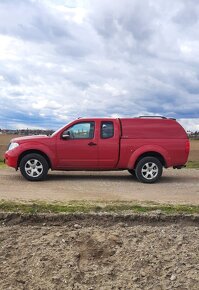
x=34, y=167
x=148, y=170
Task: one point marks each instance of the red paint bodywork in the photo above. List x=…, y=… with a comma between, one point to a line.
x=132, y=138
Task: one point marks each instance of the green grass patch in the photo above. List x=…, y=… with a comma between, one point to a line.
x=96, y=207
x=2, y=165
x=193, y=164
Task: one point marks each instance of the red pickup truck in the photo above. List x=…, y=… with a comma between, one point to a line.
x=142, y=145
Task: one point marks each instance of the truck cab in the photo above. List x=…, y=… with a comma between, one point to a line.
x=88, y=144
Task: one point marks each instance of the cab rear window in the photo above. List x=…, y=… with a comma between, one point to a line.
x=107, y=129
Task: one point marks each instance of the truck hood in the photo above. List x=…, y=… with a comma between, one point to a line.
x=31, y=138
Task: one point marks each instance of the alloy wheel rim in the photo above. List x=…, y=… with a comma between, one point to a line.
x=33, y=168
x=149, y=170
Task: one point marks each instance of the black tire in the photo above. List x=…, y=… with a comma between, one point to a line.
x=132, y=172
x=34, y=167
x=148, y=170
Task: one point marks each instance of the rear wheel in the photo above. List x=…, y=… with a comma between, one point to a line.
x=34, y=167
x=148, y=170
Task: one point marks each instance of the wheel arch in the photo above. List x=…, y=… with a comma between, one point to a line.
x=150, y=150
x=24, y=153
x=151, y=154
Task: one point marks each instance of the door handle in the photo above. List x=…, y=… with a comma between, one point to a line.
x=92, y=144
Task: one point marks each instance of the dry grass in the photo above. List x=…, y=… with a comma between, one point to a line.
x=4, y=141
x=194, y=153
x=5, y=138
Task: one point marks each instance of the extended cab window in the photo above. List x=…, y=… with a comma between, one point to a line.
x=84, y=130
x=107, y=129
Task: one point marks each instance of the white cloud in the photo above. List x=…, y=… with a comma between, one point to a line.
x=190, y=124
x=63, y=59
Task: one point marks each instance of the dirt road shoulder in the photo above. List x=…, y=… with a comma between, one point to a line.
x=175, y=187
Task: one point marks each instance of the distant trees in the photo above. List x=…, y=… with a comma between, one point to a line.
x=26, y=132
x=193, y=135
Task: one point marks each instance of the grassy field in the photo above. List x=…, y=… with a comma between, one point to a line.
x=2, y=165
x=193, y=164
x=95, y=207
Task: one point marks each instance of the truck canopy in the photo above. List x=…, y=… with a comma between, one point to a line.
x=146, y=128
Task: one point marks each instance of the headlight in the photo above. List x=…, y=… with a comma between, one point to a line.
x=12, y=146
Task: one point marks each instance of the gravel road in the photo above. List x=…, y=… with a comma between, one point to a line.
x=99, y=254
x=176, y=186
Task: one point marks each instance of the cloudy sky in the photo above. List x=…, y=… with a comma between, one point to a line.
x=63, y=59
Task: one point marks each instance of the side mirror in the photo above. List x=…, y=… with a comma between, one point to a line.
x=66, y=135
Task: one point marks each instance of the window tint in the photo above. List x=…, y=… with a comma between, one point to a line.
x=107, y=130
x=84, y=130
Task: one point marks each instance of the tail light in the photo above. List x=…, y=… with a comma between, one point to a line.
x=187, y=146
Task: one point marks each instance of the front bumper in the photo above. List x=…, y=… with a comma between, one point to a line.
x=11, y=159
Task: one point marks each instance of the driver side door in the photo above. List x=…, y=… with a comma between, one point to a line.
x=77, y=147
